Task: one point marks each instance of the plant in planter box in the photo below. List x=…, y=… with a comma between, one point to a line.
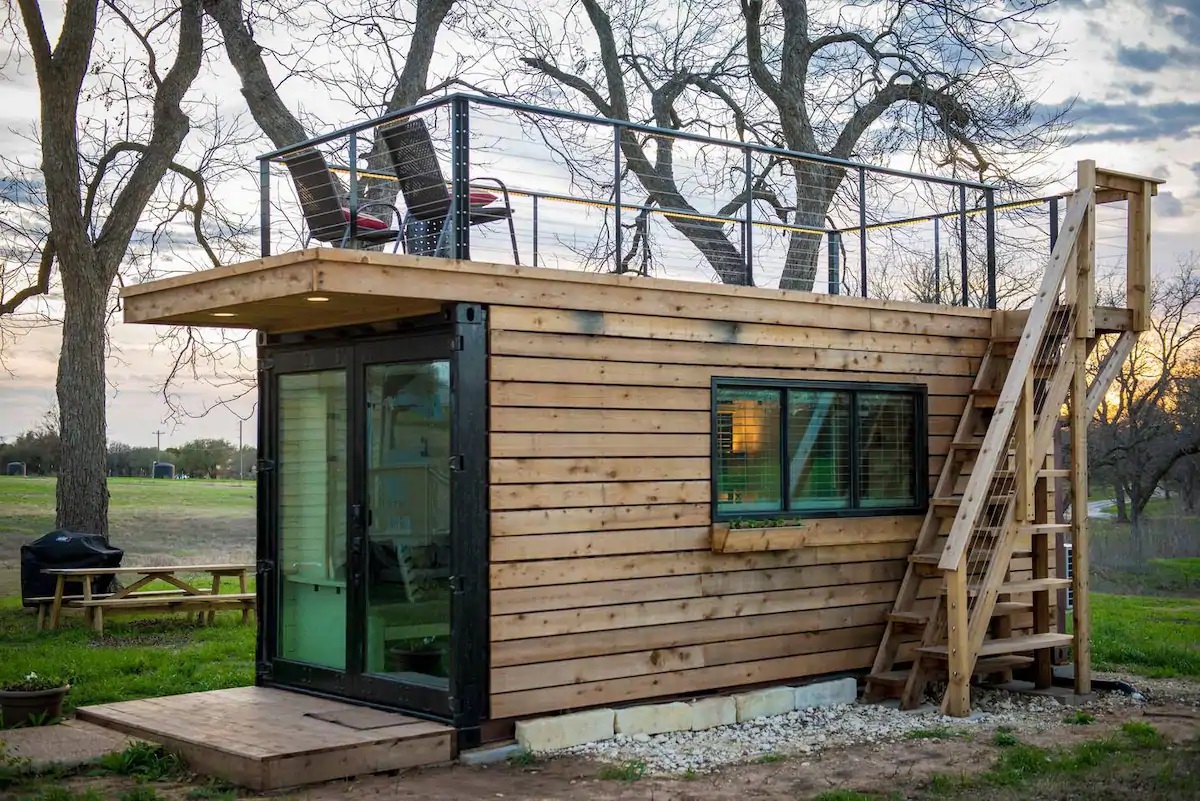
x=36, y=699
x=766, y=522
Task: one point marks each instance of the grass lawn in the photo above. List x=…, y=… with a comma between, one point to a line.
x=164, y=654
x=1145, y=635
x=1135, y=762
x=156, y=522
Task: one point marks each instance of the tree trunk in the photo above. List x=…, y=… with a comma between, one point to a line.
x=82, y=487
x=1122, y=511
x=815, y=184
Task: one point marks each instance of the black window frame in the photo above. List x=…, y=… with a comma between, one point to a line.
x=920, y=396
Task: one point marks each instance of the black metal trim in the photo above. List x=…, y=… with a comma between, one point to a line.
x=918, y=392
x=470, y=523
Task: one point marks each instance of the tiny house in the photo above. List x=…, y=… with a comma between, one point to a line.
x=495, y=491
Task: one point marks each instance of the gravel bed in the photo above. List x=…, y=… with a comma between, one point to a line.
x=809, y=731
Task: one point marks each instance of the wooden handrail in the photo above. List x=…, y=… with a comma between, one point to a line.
x=995, y=442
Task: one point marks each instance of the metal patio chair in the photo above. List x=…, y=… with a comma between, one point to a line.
x=427, y=196
x=325, y=212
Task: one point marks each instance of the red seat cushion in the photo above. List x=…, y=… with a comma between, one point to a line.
x=366, y=221
x=479, y=198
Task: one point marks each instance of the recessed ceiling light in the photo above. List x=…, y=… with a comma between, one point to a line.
x=224, y=314
x=316, y=298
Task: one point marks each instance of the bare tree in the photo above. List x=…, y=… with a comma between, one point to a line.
x=941, y=85
x=1150, y=420
x=95, y=201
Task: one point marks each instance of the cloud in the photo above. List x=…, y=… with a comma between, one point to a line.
x=22, y=191
x=1166, y=205
x=1139, y=89
x=1147, y=59
x=1099, y=121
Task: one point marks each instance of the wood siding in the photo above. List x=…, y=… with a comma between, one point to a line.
x=603, y=585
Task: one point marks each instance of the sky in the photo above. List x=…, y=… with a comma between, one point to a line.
x=1131, y=67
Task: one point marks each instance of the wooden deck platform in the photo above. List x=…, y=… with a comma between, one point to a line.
x=266, y=739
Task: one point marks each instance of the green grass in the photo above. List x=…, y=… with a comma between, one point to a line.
x=136, y=657
x=1079, y=718
x=145, y=762
x=155, y=522
x=934, y=733
x=769, y=759
x=1144, y=635
x=629, y=771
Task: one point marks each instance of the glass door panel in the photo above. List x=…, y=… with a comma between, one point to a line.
x=312, y=462
x=408, y=568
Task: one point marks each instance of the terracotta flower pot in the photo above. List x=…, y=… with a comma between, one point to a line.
x=18, y=708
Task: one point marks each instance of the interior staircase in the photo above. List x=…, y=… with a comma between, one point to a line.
x=975, y=600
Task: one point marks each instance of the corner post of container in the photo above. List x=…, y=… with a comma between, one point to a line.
x=937, y=259
x=460, y=177
x=264, y=207
x=617, y=243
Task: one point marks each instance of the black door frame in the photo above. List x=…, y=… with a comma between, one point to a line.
x=459, y=334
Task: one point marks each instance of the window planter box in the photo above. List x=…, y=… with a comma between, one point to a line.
x=745, y=540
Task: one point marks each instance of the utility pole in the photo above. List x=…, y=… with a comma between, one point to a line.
x=158, y=440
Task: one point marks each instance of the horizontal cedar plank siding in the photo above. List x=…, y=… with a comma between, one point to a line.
x=604, y=588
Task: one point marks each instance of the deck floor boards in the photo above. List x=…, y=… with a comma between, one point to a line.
x=266, y=739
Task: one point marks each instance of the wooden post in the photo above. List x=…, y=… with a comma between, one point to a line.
x=1026, y=459
x=1043, y=672
x=1079, y=535
x=56, y=610
x=1137, y=259
x=958, y=694
x=1086, y=254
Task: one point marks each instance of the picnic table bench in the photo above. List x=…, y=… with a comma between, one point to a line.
x=186, y=595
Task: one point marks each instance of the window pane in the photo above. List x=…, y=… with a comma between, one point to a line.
x=312, y=517
x=819, y=445
x=887, y=464
x=747, y=450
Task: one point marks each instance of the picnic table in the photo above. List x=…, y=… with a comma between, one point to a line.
x=185, y=595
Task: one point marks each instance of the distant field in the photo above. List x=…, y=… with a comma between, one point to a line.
x=153, y=521
x=1149, y=636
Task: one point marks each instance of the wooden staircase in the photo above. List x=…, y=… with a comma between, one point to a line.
x=976, y=595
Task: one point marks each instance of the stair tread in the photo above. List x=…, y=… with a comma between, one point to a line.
x=908, y=618
x=1008, y=645
x=1034, y=585
x=934, y=557
x=990, y=664
x=1010, y=608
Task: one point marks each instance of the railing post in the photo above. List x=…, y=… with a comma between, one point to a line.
x=937, y=260
x=862, y=228
x=460, y=178
x=617, y=243
x=958, y=644
x=264, y=207
x=748, y=235
x=962, y=244
x=535, y=230
x=835, y=262
x=352, y=201
x=989, y=201
x=1053, y=222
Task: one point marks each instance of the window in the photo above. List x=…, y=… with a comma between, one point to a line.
x=818, y=449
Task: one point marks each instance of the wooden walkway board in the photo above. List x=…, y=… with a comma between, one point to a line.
x=266, y=739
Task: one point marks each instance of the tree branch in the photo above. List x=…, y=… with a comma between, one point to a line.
x=39, y=287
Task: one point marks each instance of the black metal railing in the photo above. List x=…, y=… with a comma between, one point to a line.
x=555, y=188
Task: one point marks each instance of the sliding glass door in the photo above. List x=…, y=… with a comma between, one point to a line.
x=372, y=521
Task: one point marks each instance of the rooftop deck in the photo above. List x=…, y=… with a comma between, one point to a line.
x=485, y=180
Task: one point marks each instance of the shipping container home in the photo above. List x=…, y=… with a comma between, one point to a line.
x=490, y=491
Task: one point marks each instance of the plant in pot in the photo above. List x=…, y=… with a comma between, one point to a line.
x=33, y=700
x=422, y=655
